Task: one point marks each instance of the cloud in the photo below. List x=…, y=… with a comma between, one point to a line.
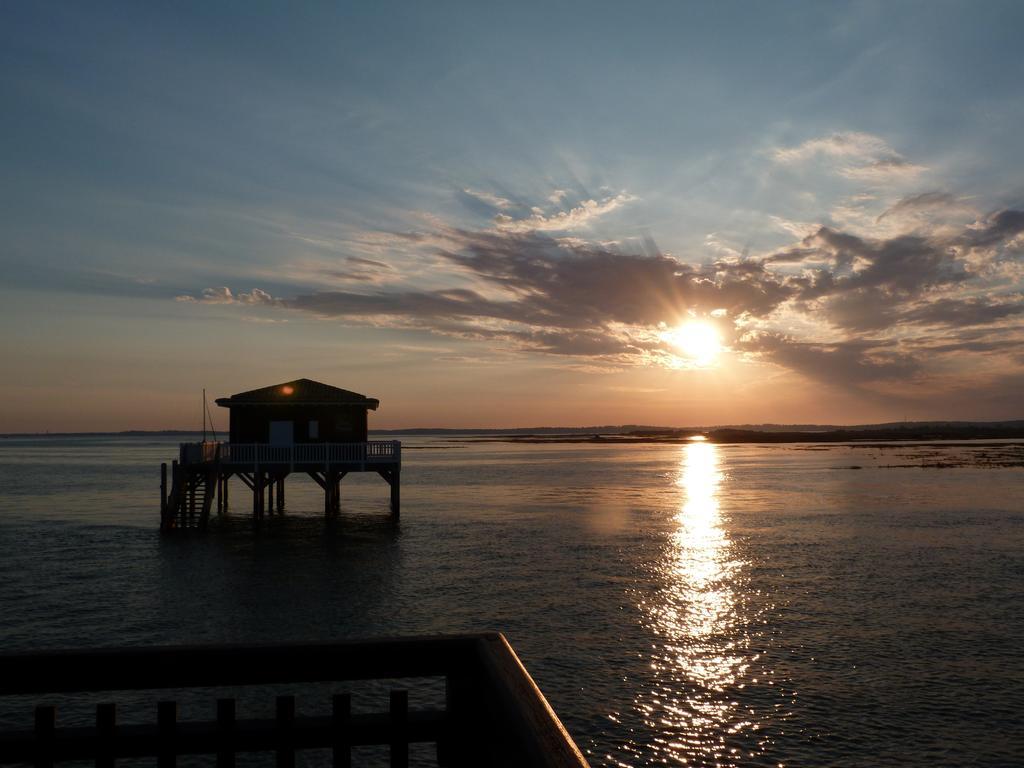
x=846, y=144
x=996, y=229
x=223, y=295
x=925, y=201
x=580, y=284
x=861, y=284
x=574, y=297
x=373, y=263
x=547, y=283
x=885, y=169
x=581, y=216
x=963, y=313
x=854, y=155
x=840, y=307
x=534, y=292
x=800, y=229
x=351, y=276
x=905, y=264
x=1012, y=344
x=357, y=269
x=488, y=198
x=843, y=363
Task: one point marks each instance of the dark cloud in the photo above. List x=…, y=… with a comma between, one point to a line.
x=921, y=202
x=532, y=291
x=454, y=303
x=996, y=230
x=906, y=264
x=567, y=295
x=585, y=343
x=361, y=262
x=862, y=309
x=582, y=285
x=847, y=363
x=996, y=345
x=859, y=284
x=963, y=312
x=360, y=270
x=356, y=277
x=862, y=286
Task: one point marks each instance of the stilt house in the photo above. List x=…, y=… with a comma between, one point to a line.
x=299, y=427
x=300, y=411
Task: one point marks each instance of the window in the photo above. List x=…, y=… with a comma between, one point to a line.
x=314, y=430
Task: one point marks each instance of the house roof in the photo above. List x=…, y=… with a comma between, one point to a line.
x=298, y=392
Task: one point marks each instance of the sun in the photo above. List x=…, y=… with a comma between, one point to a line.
x=699, y=342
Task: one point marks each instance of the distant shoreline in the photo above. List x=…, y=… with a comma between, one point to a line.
x=626, y=434
x=727, y=437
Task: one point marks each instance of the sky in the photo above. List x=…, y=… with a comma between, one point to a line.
x=516, y=214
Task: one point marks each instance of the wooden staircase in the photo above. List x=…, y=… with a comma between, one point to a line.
x=190, y=499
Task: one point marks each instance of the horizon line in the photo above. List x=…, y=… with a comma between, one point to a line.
x=797, y=426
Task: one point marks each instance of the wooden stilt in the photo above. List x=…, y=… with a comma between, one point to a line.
x=329, y=494
x=270, y=494
x=227, y=485
x=280, y=494
x=337, y=494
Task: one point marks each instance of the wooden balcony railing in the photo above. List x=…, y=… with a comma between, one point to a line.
x=263, y=454
x=494, y=714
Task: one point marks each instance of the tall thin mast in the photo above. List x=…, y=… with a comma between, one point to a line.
x=204, y=414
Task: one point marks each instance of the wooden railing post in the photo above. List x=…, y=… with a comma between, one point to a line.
x=106, y=730
x=341, y=720
x=285, y=732
x=167, y=726
x=399, y=729
x=45, y=722
x=464, y=725
x=225, y=733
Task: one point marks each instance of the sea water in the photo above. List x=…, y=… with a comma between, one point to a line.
x=696, y=604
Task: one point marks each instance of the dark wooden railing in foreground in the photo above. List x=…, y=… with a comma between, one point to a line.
x=494, y=714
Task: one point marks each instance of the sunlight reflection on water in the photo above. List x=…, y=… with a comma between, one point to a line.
x=701, y=651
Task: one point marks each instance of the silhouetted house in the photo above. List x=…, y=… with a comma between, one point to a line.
x=300, y=411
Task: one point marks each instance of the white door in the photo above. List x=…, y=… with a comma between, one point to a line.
x=282, y=432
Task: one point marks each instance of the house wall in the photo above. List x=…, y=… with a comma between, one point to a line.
x=335, y=423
